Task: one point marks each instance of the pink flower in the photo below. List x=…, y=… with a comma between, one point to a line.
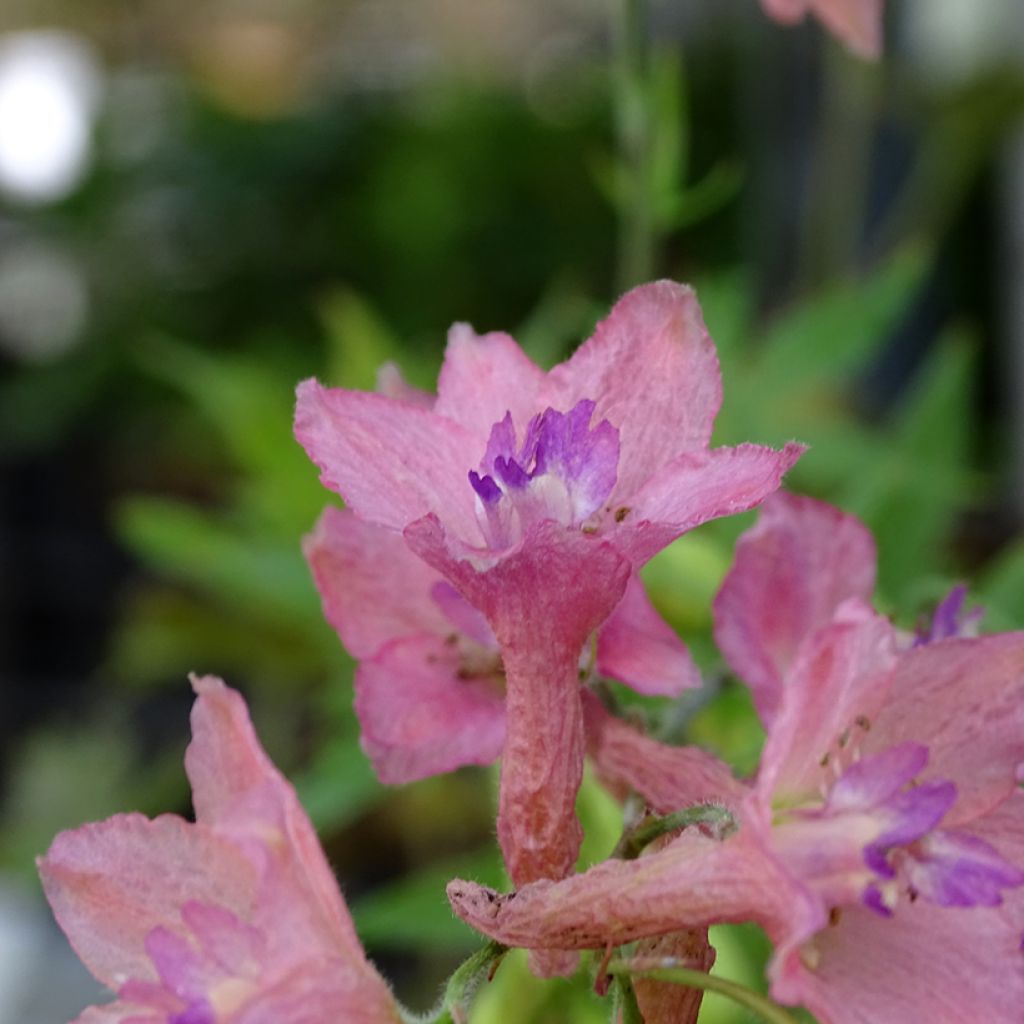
x=425, y=649
x=235, y=919
x=882, y=844
x=858, y=23
x=537, y=496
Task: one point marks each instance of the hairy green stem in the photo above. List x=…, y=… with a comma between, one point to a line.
x=633, y=840
x=770, y=1012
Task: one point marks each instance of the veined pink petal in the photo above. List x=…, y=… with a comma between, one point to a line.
x=835, y=689
x=926, y=963
x=237, y=790
x=373, y=587
x=639, y=648
x=112, y=882
x=663, y=1002
x=668, y=778
x=964, y=698
x=696, y=487
x=483, y=377
x=391, y=461
x=858, y=23
x=542, y=601
x=421, y=714
x=793, y=569
x=690, y=883
x=653, y=372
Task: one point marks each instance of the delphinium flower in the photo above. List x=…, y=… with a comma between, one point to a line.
x=430, y=683
x=858, y=23
x=233, y=919
x=882, y=843
x=537, y=496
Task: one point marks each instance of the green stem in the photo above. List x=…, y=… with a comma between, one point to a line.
x=634, y=129
x=462, y=986
x=633, y=840
x=764, y=1007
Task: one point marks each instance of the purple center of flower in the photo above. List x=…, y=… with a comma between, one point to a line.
x=563, y=471
x=876, y=838
x=951, y=619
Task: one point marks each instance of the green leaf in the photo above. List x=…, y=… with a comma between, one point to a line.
x=267, y=579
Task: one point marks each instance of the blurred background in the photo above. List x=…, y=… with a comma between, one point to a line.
x=202, y=203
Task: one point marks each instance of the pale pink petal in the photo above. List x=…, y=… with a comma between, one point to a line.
x=696, y=487
x=832, y=698
x=926, y=963
x=392, y=384
x=858, y=23
x=111, y=883
x=637, y=647
x=690, y=883
x=392, y=462
x=421, y=714
x=663, y=1002
x=793, y=569
x=653, y=372
x=373, y=587
x=543, y=601
x=668, y=778
x=484, y=377
x=119, y=1013
x=964, y=699
x=237, y=790
x=324, y=992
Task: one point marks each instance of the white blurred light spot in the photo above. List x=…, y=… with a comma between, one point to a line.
x=43, y=303
x=49, y=85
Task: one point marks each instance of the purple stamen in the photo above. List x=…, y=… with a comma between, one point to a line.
x=485, y=487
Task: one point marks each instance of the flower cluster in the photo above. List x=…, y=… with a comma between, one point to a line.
x=485, y=573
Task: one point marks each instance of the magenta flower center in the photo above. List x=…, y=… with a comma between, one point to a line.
x=564, y=471
x=875, y=839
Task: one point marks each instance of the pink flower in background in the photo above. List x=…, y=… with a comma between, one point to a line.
x=882, y=844
x=423, y=649
x=235, y=919
x=537, y=496
x=858, y=23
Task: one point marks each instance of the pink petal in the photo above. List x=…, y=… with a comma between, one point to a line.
x=858, y=23
x=637, y=647
x=373, y=587
x=111, y=883
x=793, y=569
x=652, y=370
x=663, y=1002
x=926, y=963
x=238, y=791
x=324, y=992
x=392, y=384
x=421, y=717
x=392, y=462
x=696, y=487
x=668, y=778
x=964, y=699
x=543, y=601
x=690, y=883
x=835, y=688
x=119, y=1012
x=483, y=378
